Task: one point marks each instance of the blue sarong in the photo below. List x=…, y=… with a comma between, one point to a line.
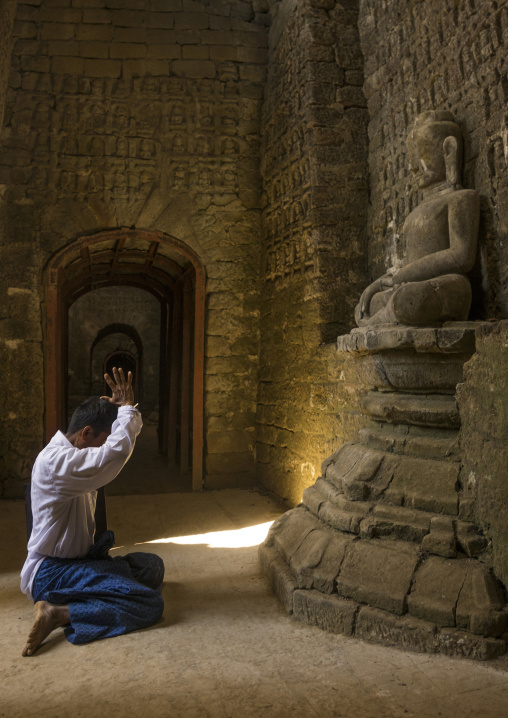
x=106, y=596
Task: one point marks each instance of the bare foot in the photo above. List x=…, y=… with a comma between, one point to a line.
x=47, y=617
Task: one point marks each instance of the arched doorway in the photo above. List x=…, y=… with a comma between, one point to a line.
x=173, y=273
x=128, y=362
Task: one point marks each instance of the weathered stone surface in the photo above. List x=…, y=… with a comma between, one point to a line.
x=436, y=590
x=484, y=440
x=458, y=337
x=378, y=573
x=409, y=633
x=331, y=613
x=453, y=642
x=422, y=443
x=316, y=563
x=441, y=539
x=460, y=593
x=280, y=577
x=424, y=485
x=395, y=522
x=289, y=535
x=481, y=602
x=434, y=410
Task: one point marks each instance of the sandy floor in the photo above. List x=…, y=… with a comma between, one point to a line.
x=224, y=647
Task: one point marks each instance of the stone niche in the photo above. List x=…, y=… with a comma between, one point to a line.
x=383, y=545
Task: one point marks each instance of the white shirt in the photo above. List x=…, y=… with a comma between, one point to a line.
x=64, y=492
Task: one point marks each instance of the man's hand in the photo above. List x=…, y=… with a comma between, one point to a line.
x=121, y=388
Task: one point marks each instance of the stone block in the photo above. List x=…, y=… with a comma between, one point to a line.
x=164, y=51
x=378, y=573
x=290, y=534
x=128, y=18
x=141, y=68
x=95, y=33
x=437, y=411
x=425, y=485
x=480, y=604
x=470, y=539
x=331, y=613
x=195, y=52
x=252, y=54
x=441, y=539
x=396, y=522
x=64, y=47
x=60, y=15
x=102, y=68
x=93, y=49
x=192, y=20
x=405, y=632
x=57, y=31
x=219, y=22
x=453, y=642
x=223, y=52
x=168, y=6
x=436, y=590
x=67, y=65
x=224, y=442
x=279, y=575
x=126, y=50
x=194, y=68
x=228, y=463
x=97, y=16
x=316, y=563
x=163, y=20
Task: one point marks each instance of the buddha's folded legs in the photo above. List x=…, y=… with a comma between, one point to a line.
x=445, y=298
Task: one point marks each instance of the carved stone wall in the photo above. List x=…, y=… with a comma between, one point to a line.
x=314, y=218
x=483, y=404
x=444, y=55
x=142, y=113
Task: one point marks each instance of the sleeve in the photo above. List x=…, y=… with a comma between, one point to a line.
x=79, y=471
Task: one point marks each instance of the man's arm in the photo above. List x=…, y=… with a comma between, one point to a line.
x=78, y=471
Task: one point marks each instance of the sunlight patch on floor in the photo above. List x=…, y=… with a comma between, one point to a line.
x=236, y=538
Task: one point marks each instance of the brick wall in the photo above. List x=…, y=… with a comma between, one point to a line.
x=314, y=219
x=139, y=113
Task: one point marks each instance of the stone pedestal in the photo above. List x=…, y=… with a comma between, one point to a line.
x=382, y=546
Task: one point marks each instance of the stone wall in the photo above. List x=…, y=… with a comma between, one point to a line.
x=314, y=219
x=7, y=13
x=139, y=113
x=444, y=55
x=113, y=307
x=483, y=404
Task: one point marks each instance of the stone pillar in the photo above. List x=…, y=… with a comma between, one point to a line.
x=382, y=546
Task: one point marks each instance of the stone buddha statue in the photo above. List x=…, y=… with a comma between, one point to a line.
x=430, y=286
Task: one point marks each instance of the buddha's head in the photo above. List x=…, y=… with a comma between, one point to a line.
x=435, y=148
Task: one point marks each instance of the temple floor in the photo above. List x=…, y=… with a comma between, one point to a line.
x=224, y=647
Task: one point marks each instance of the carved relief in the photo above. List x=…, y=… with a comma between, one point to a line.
x=98, y=131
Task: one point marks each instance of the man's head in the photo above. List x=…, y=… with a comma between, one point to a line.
x=91, y=423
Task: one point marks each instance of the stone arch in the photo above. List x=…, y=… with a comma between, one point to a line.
x=171, y=271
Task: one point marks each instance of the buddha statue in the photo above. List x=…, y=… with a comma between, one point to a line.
x=430, y=287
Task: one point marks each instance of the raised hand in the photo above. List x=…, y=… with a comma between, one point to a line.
x=121, y=388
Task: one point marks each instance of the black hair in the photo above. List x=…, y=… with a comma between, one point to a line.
x=95, y=412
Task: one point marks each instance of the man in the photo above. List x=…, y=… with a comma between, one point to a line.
x=73, y=583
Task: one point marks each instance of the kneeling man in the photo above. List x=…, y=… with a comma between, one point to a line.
x=72, y=582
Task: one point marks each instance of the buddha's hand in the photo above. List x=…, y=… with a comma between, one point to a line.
x=362, y=311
